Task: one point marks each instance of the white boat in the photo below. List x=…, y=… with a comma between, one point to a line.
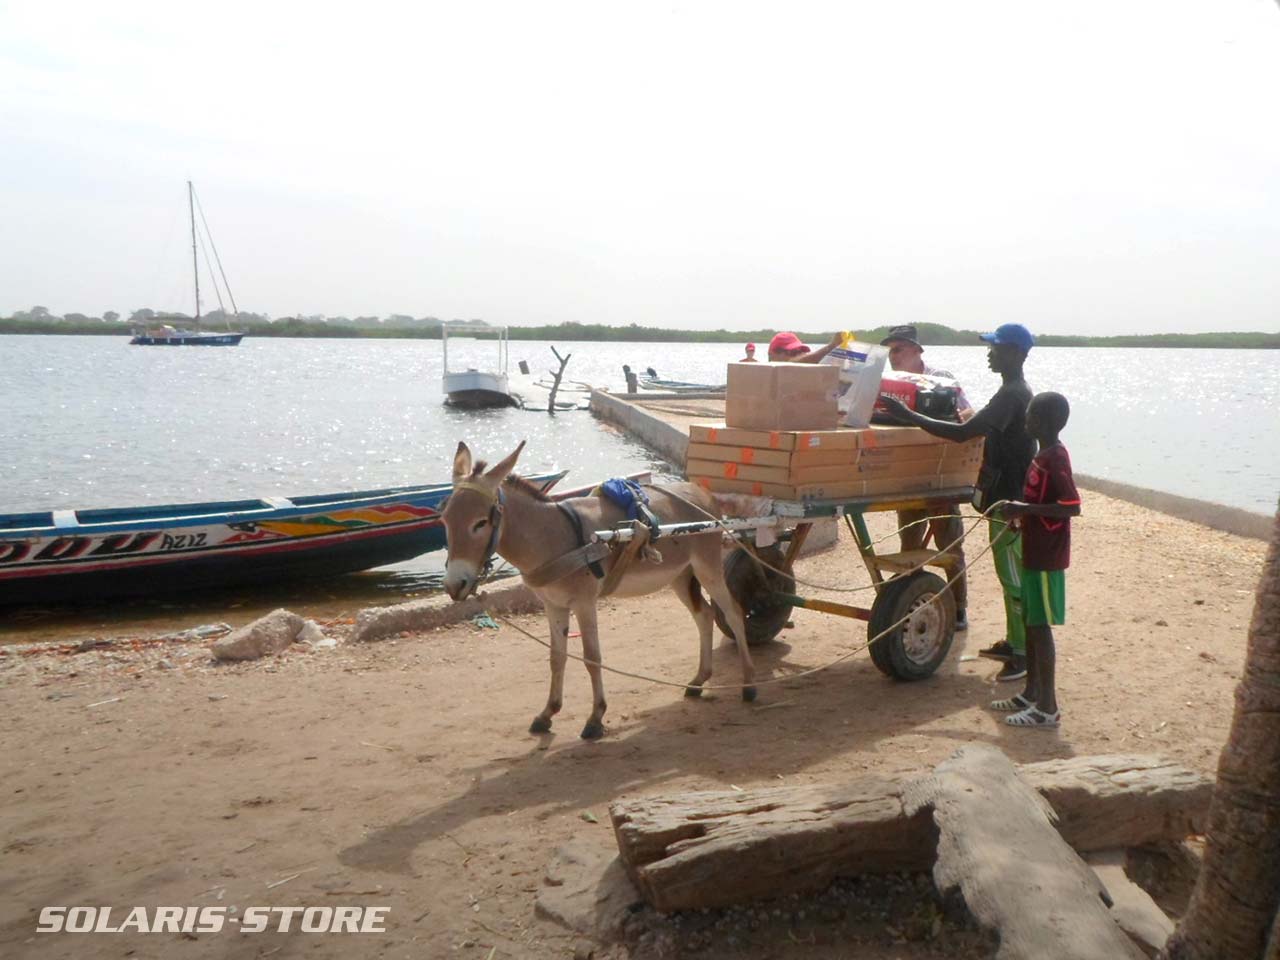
x=471, y=387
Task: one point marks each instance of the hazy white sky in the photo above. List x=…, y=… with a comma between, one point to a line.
x=1093, y=167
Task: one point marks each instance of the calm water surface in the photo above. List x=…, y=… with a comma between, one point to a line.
x=93, y=422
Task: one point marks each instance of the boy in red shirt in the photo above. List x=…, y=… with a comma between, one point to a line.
x=1051, y=501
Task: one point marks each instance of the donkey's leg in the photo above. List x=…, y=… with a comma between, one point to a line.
x=709, y=570
x=690, y=594
x=558, y=618
x=586, y=614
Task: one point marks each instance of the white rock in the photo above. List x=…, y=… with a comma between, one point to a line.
x=311, y=633
x=267, y=635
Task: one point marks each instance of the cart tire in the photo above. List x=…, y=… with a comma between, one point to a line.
x=752, y=586
x=917, y=647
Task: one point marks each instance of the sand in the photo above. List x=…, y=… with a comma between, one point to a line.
x=400, y=773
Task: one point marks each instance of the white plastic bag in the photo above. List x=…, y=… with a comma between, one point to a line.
x=861, y=366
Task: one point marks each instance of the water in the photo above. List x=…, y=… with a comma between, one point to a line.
x=93, y=422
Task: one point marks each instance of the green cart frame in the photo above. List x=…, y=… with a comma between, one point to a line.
x=913, y=649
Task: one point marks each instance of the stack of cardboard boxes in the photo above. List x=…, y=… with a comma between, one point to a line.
x=780, y=440
x=828, y=464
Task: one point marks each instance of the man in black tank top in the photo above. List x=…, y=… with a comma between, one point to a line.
x=1006, y=456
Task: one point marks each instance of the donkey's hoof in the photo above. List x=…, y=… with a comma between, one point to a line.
x=540, y=725
x=693, y=690
x=593, y=731
x=748, y=694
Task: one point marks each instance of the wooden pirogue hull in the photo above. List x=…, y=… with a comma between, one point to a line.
x=67, y=556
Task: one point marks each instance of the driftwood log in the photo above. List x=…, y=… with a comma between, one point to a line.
x=1132, y=907
x=713, y=849
x=997, y=844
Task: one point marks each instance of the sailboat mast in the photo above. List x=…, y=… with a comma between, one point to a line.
x=195, y=263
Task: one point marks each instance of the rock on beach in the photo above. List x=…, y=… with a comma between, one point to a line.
x=267, y=635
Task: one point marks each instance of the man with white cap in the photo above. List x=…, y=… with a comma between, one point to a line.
x=907, y=355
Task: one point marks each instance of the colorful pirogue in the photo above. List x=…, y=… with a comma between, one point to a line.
x=78, y=555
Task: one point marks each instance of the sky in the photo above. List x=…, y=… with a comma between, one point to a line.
x=1090, y=168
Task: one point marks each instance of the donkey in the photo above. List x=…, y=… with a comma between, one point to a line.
x=495, y=511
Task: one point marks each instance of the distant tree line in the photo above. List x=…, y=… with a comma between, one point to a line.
x=397, y=325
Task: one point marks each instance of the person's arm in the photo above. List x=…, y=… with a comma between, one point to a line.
x=1054, y=511
x=815, y=356
x=1061, y=487
x=975, y=426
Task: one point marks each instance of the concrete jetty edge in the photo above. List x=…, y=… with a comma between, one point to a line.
x=673, y=444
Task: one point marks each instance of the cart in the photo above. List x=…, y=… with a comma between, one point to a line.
x=911, y=650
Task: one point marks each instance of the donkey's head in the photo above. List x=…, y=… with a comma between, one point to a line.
x=473, y=519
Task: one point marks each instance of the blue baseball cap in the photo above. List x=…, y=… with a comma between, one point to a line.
x=1014, y=333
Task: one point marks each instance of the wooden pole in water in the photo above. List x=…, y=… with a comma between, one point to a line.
x=564, y=361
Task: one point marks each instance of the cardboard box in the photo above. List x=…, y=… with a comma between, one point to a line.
x=716, y=469
x=782, y=396
x=875, y=437
x=721, y=435
x=745, y=455
x=822, y=458
x=907, y=487
x=782, y=491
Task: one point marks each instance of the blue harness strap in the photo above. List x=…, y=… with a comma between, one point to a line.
x=630, y=496
x=624, y=493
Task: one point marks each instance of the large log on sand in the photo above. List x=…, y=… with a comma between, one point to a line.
x=713, y=849
x=998, y=846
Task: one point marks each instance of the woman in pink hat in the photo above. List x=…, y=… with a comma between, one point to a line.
x=787, y=348
x=751, y=354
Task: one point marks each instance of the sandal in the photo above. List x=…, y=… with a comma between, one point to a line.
x=1015, y=704
x=1034, y=717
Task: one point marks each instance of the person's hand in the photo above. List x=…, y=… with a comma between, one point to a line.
x=896, y=409
x=836, y=340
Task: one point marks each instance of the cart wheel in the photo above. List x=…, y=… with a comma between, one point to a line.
x=753, y=587
x=917, y=647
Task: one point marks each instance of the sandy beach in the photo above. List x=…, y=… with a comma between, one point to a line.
x=400, y=772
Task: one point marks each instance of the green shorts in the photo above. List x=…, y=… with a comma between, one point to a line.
x=1044, y=597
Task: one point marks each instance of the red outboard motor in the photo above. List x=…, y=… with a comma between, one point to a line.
x=936, y=401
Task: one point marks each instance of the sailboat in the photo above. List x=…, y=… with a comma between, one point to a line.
x=167, y=335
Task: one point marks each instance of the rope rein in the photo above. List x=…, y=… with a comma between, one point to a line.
x=871, y=586
x=660, y=681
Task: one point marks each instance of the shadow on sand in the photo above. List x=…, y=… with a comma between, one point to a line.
x=846, y=711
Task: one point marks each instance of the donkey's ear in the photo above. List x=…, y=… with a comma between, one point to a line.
x=500, y=471
x=461, y=463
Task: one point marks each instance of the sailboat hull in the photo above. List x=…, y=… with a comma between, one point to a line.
x=185, y=339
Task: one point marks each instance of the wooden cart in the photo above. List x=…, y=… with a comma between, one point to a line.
x=912, y=650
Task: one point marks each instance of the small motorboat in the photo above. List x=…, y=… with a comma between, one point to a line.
x=470, y=387
x=649, y=380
